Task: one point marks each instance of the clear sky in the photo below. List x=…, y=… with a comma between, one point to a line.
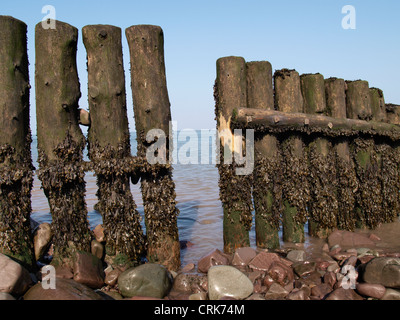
x=304, y=35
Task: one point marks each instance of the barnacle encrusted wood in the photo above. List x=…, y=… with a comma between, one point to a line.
x=368, y=166
x=152, y=111
x=296, y=191
x=15, y=138
x=323, y=207
x=347, y=183
x=235, y=190
x=267, y=175
x=60, y=140
x=109, y=145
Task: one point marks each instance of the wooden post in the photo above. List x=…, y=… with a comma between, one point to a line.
x=15, y=138
x=296, y=192
x=369, y=199
x=323, y=207
x=347, y=183
x=109, y=144
x=152, y=111
x=388, y=155
x=235, y=190
x=267, y=191
x=60, y=140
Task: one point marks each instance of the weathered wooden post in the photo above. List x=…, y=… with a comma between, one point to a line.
x=347, y=183
x=296, y=191
x=60, y=140
x=369, y=199
x=387, y=153
x=323, y=207
x=267, y=191
x=152, y=111
x=235, y=190
x=15, y=138
x=109, y=144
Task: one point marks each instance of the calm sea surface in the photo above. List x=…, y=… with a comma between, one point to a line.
x=201, y=215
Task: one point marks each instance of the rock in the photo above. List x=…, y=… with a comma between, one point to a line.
x=349, y=239
x=41, y=239
x=343, y=294
x=64, y=272
x=256, y=296
x=296, y=255
x=276, y=292
x=97, y=249
x=84, y=118
x=189, y=267
x=371, y=290
x=112, y=277
x=198, y=296
x=351, y=261
x=321, y=290
x=304, y=268
x=148, y=280
x=14, y=278
x=384, y=271
x=226, y=281
x=330, y=279
x=88, y=270
x=297, y=294
x=114, y=294
x=99, y=233
x=243, y=256
x=281, y=273
x=263, y=261
x=4, y=296
x=215, y=258
x=66, y=289
x=391, y=294
x=188, y=282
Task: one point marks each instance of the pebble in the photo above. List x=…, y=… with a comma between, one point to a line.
x=148, y=280
x=66, y=289
x=14, y=278
x=226, y=281
x=41, y=239
x=383, y=270
x=391, y=294
x=243, y=256
x=276, y=292
x=371, y=290
x=215, y=258
x=296, y=255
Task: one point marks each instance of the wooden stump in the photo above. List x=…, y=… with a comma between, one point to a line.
x=323, y=207
x=347, y=183
x=267, y=191
x=152, y=111
x=60, y=140
x=296, y=192
x=235, y=190
x=109, y=144
x=369, y=196
x=15, y=137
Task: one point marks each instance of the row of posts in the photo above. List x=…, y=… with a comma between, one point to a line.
x=332, y=182
x=61, y=142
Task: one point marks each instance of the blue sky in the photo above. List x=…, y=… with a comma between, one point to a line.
x=303, y=35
